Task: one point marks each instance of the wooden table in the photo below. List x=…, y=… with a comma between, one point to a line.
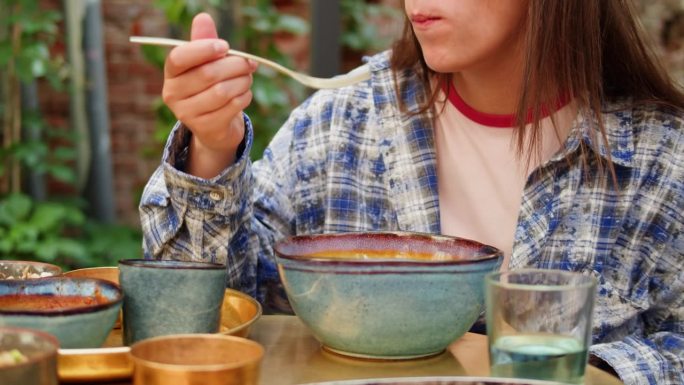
x=293, y=356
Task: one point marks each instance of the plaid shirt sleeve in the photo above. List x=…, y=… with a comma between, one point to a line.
x=189, y=218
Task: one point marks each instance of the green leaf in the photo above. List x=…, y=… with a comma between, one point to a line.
x=47, y=217
x=64, y=153
x=5, y=53
x=61, y=173
x=292, y=24
x=154, y=54
x=14, y=208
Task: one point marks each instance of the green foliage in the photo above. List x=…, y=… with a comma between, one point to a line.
x=56, y=230
x=360, y=24
x=59, y=232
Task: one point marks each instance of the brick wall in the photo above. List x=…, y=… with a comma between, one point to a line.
x=133, y=85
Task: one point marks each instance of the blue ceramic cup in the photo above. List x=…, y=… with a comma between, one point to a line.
x=170, y=297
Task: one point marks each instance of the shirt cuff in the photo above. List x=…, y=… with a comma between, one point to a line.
x=622, y=359
x=217, y=194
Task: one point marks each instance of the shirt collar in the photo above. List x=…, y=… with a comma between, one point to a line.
x=617, y=119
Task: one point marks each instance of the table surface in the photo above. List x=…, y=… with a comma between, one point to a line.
x=293, y=356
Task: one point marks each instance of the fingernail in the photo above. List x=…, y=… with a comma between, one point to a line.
x=220, y=46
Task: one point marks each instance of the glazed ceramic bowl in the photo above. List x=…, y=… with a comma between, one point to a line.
x=208, y=359
x=10, y=269
x=80, y=312
x=27, y=357
x=108, y=273
x=385, y=295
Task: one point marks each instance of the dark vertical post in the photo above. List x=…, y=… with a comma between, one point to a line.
x=226, y=20
x=100, y=186
x=325, y=37
x=34, y=181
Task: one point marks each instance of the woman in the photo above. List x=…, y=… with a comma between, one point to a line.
x=543, y=128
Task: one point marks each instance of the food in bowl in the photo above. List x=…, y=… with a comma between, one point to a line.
x=108, y=273
x=386, y=295
x=27, y=357
x=49, y=302
x=11, y=357
x=10, y=269
x=79, y=312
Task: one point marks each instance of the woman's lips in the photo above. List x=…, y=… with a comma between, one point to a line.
x=423, y=21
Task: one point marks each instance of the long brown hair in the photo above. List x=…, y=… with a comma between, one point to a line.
x=593, y=49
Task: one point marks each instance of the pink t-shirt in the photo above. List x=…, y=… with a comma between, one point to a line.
x=481, y=178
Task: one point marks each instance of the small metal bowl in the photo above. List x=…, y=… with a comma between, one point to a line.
x=209, y=359
x=238, y=313
x=38, y=353
x=108, y=273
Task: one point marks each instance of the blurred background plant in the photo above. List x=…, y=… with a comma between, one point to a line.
x=36, y=225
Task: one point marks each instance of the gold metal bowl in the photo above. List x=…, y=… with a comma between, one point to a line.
x=113, y=360
x=238, y=313
x=184, y=359
x=108, y=273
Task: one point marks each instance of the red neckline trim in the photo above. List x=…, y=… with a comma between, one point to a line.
x=496, y=120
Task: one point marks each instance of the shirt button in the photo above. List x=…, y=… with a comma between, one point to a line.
x=215, y=196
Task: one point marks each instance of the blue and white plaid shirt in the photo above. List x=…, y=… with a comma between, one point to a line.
x=350, y=160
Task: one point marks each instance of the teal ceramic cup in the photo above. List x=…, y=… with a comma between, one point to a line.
x=170, y=297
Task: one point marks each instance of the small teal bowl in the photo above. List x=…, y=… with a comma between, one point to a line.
x=385, y=295
x=85, y=326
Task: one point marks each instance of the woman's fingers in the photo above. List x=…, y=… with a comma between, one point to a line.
x=204, y=47
x=211, y=99
x=199, y=79
x=193, y=54
x=203, y=27
x=204, y=126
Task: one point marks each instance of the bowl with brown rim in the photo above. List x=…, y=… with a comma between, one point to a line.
x=14, y=269
x=385, y=295
x=79, y=312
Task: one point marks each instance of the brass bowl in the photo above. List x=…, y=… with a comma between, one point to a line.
x=113, y=360
x=238, y=313
x=208, y=359
x=108, y=273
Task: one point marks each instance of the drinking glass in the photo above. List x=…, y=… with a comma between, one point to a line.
x=539, y=323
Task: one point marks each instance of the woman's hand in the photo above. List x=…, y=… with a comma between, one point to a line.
x=207, y=91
